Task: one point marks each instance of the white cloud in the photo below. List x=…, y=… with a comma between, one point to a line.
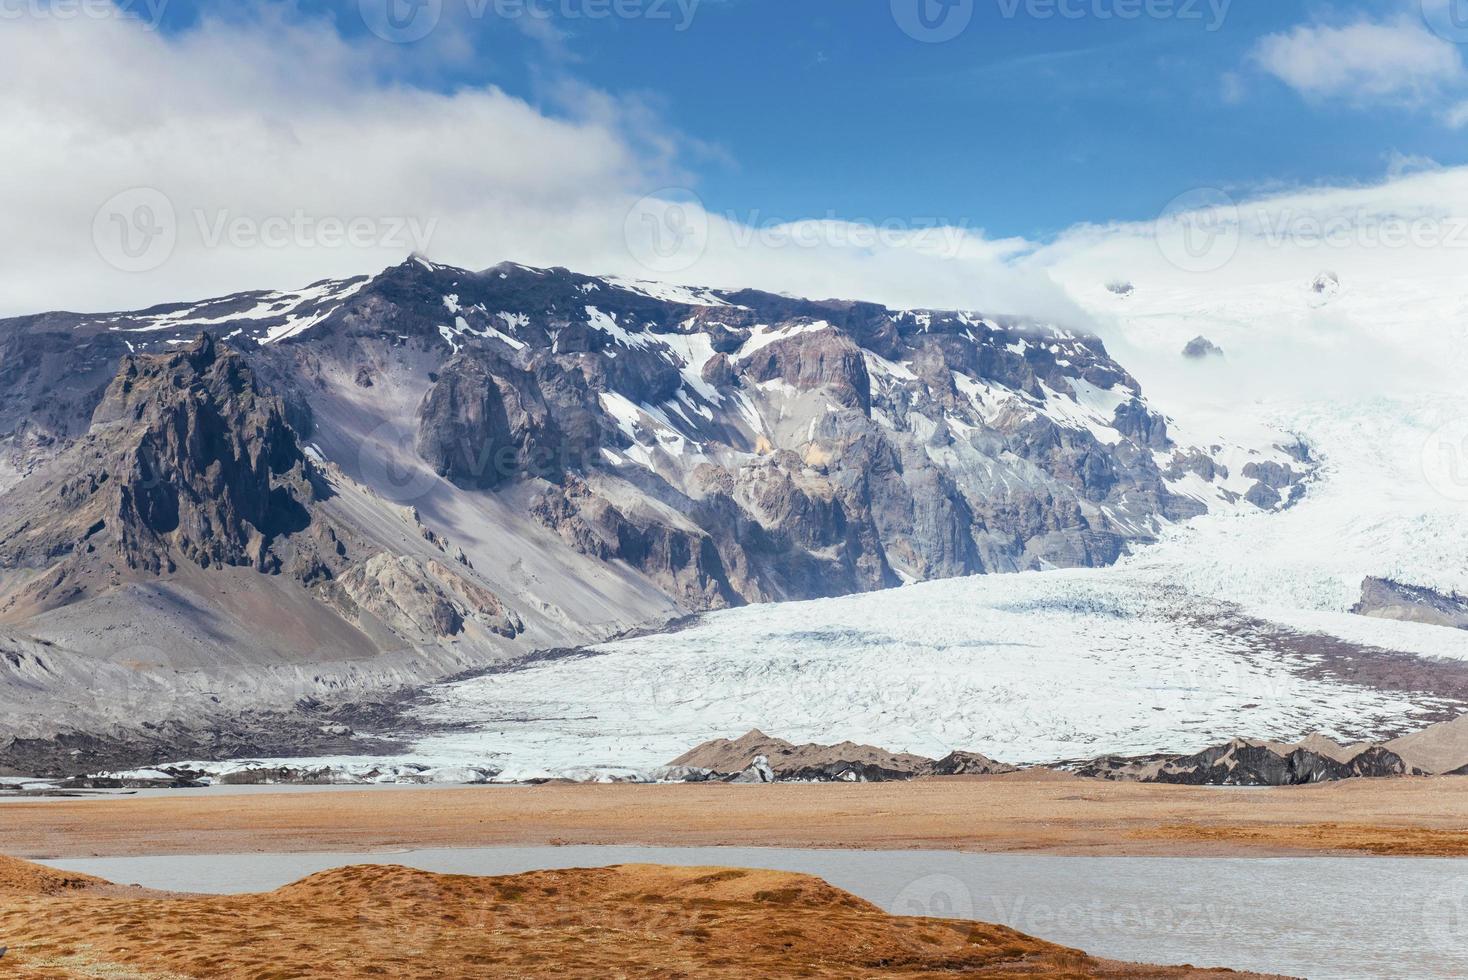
x=1398, y=62
x=259, y=121
x=274, y=119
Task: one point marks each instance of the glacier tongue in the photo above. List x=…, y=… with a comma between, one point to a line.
x=1030, y=668
x=1209, y=634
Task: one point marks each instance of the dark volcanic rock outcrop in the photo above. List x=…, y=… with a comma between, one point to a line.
x=1385, y=599
x=786, y=761
x=1243, y=763
x=810, y=359
x=1247, y=762
x=680, y=557
x=1201, y=348
x=485, y=422
x=215, y=473
x=756, y=757
x=968, y=764
x=188, y=461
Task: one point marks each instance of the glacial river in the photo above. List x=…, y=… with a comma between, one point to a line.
x=1346, y=918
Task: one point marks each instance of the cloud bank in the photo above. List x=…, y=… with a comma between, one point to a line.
x=267, y=151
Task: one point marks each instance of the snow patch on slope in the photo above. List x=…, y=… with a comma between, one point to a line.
x=668, y=292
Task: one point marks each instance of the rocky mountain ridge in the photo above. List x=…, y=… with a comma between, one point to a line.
x=431, y=469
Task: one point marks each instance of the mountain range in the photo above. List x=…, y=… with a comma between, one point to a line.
x=209, y=508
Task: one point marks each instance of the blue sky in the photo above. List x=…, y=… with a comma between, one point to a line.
x=1020, y=126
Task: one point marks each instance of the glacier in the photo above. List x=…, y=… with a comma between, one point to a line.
x=1202, y=637
x=1220, y=629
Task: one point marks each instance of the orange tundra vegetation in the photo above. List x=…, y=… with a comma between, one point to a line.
x=629, y=921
